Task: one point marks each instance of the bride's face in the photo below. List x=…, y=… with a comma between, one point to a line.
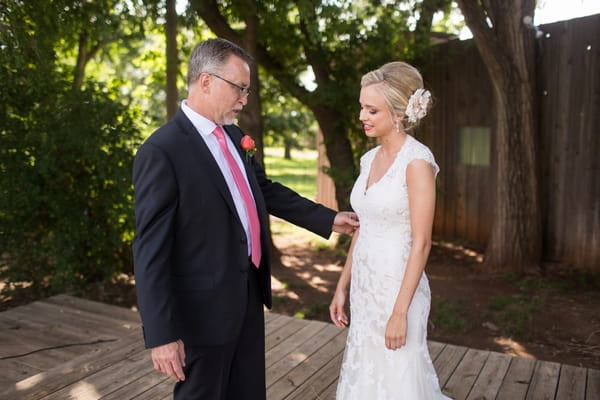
x=374, y=112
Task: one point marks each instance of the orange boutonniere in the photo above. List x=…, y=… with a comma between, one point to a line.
x=248, y=145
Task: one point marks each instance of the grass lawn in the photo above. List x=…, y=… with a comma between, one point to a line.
x=299, y=174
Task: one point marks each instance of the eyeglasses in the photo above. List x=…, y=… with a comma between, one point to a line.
x=243, y=92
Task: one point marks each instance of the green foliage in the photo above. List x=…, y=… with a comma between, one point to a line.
x=65, y=161
x=287, y=122
x=513, y=314
x=565, y=278
x=447, y=315
x=313, y=311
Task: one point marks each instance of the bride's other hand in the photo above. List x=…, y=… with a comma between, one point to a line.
x=336, y=309
x=395, y=332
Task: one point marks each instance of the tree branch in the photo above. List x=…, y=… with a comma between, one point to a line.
x=315, y=54
x=476, y=17
x=208, y=10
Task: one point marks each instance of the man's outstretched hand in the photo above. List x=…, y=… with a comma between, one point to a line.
x=345, y=222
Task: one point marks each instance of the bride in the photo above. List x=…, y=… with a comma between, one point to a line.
x=386, y=355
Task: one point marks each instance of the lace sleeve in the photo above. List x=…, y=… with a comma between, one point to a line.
x=421, y=152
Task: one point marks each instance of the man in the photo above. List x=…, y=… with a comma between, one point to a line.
x=201, y=251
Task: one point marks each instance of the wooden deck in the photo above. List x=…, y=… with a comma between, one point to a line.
x=68, y=348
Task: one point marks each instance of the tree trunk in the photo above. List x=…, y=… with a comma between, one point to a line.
x=287, y=150
x=339, y=152
x=82, y=57
x=172, y=59
x=85, y=52
x=507, y=49
x=251, y=119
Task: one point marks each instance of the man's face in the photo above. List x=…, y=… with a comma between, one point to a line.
x=229, y=90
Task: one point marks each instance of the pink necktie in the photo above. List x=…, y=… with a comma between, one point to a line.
x=244, y=190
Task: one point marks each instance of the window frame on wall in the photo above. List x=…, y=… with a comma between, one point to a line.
x=474, y=145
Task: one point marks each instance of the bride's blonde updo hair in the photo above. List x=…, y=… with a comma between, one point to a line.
x=397, y=82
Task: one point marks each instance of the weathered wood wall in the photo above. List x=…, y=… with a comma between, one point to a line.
x=462, y=97
x=569, y=86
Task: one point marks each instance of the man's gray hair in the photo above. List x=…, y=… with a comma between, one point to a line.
x=210, y=55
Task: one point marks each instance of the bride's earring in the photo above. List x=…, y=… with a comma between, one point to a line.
x=397, y=125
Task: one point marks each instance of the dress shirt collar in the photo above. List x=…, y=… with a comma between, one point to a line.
x=202, y=124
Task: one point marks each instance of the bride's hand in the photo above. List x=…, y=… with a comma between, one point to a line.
x=336, y=309
x=395, y=332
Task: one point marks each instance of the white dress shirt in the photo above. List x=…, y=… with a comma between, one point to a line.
x=205, y=128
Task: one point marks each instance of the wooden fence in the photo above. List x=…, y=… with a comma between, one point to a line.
x=569, y=86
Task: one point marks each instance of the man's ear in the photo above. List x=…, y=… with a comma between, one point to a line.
x=204, y=81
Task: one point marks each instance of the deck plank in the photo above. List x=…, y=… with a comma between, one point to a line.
x=446, y=362
x=571, y=383
x=162, y=390
x=490, y=378
x=545, y=381
x=461, y=381
x=283, y=348
x=593, y=385
x=140, y=386
x=517, y=379
x=283, y=333
x=75, y=370
x=274, y=324
x=435, y=348
x=62, y=321
x=107, y=310
x=298, y=375
x=97, y=321
x=329, y=393
x=106, y=380
x=318, y=382
x=281, y=368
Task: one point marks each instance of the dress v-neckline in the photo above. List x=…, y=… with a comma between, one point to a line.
x=367, y=186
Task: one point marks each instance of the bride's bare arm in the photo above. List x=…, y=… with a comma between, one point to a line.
x=337, y=312
x=420, y=179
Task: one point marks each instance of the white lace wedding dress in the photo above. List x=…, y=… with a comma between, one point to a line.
x=370, y=371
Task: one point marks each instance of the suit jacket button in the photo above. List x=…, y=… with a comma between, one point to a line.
x=244, y=241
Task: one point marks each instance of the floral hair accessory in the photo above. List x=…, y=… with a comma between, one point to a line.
x=417, y=105
x=248, y=145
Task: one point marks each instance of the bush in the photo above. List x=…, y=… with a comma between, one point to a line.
x=66, y=198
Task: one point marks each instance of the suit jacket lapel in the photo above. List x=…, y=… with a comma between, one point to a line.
x=254, y=186
x=205, y=159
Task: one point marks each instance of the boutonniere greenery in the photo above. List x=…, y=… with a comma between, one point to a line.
x=248, y=145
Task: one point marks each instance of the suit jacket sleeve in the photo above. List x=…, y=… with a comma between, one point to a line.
x=155, y=207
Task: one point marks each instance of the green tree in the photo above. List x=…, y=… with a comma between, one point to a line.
x=288, y=123
x=65, y=160
x=337, y=42
x=172, y=58
x=85, y=28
